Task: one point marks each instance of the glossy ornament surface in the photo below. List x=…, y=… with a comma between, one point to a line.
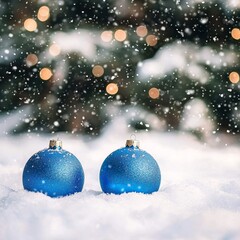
x=130, y=169
x=54, y=172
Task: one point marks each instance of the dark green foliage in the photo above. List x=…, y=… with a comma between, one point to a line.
x=77, y=101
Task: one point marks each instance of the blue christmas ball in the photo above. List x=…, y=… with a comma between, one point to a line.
x=130, y=169
x=54, y=172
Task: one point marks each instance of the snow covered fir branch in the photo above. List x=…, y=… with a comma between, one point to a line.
x=73, y=61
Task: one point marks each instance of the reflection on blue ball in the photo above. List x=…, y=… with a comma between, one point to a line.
x=130, y=169
x=54, y=172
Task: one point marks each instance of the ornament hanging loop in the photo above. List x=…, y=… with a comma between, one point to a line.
x=133, y=137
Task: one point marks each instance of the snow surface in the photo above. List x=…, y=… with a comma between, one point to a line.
x=199, y=197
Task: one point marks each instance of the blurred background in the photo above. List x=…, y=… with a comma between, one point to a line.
x=75, y=66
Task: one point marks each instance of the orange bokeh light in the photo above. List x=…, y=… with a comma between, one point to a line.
x=234, y=77
x=151, y=40
x=235, y=33
x=31, y=60
x=120, y=35
x=112, y=88
x=45, y=74
x=142, y=31
x=54, y=49
x=30, y=24
x=98, y=71
x=43, y=13
x=154, y=93
x=107, y=36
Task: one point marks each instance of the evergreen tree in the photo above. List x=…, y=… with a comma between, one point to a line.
x=71, y=60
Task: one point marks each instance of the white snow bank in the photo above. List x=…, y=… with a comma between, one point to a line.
x=187, y=58
x=199, y=196
x=232, y=4
x=197, y=117
x=81, y=41
x=14, y=118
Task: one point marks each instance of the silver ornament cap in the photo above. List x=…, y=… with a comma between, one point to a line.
x=132, y=142
x=55, y=143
